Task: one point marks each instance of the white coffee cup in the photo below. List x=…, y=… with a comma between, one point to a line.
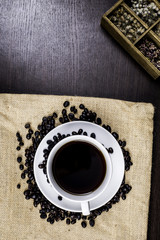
x=83, y=199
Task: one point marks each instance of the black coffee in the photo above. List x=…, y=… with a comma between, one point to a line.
x=79, y=167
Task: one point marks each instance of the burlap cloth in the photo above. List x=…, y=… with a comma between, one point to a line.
x=128, y=219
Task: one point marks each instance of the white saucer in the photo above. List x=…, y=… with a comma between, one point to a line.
x=104, y=137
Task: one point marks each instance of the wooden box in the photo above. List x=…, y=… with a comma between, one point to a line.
x=132, y=46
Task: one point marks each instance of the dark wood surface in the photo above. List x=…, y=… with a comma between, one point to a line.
x=58, y=47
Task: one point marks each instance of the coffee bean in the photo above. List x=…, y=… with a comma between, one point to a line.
x=21, y=144
x=80, y=131
x=72, y=108
x=54, y=115
x=93, y=135
x=61, y=120
x=84, y=224
x=27, y=125
x=115, y=135
x=66, y=104
x=78, y=216
x=86, y=110
x=18, y=186
x=28, y=136
x=74, y=133
x=99, y=121
x=59, y=198
x=81, y=106
x=55, y=138
x=85, y=134
x=17, y=134
x=64, y=112
x=49, y=142
x=108, y=128
x=123, y=196
x=110, y=150
x=30, y=131
x=71, y=116
x=18, y=148
x=120, y=142
x=73, y=221
x=75, y=111
x=23, y=175
x=21, y=166
x=41, y=166
x=51, y=221
x=123, y=143
x=43, y=215
x=91, y=222
x=68, y=221
x=19, y=159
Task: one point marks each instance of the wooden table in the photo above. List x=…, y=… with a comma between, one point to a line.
x=58, y=47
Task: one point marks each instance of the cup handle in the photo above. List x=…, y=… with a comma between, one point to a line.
x=85, y=208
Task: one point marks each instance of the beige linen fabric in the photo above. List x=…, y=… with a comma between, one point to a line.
x=127, y=220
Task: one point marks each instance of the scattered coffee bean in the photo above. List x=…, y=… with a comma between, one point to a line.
x=115, y=135
x=80, y=131
x=18, y=186
x=23, y=175
x=21, y=167
x=19, y=159
x=93, y=135
x=85, y=134
x=84, y=224
x=91, y=222
x=99, y=121
x=68, y=221
x=30, y=131
x=110, y=150
x=123, y=144
x=18, y=148
x=81, y=106
x=59, y=198
x=123, y=196
x=43, y=215
x=75, y=111
x=28, y=136
x=71, y=116
x=61, y=120
x=55, y=115
x=66, y=104
x=17, y=134
x=27, y=125
x=74, y=133
x=64, y=112
x=72, y=108
x=73, y=221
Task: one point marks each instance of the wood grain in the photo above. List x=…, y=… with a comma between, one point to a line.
x=58, y=47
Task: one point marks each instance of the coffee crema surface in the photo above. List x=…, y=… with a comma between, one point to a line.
x=79, y=167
